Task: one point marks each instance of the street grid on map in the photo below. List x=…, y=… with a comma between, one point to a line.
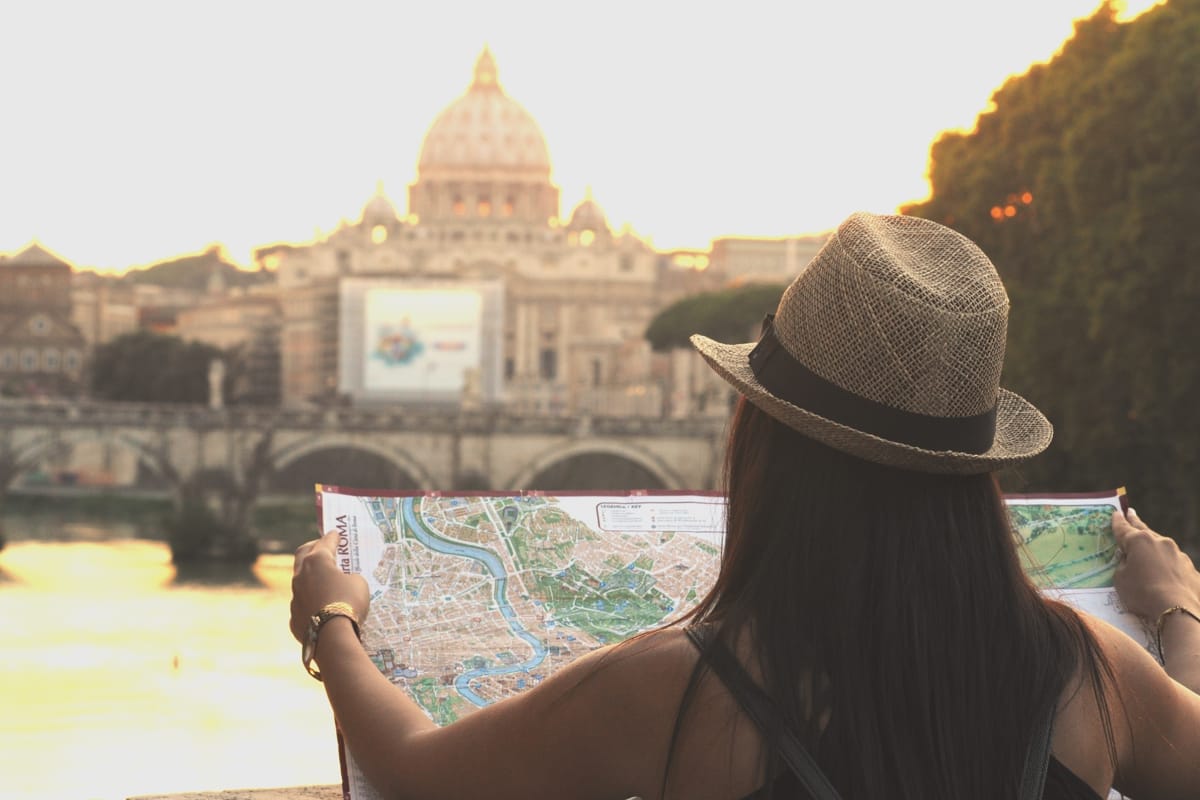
x=478, y=598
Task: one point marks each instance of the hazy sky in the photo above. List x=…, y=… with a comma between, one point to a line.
x=134, y=131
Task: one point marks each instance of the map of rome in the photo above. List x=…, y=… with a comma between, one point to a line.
x=477, y=598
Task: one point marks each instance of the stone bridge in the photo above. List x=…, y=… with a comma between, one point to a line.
x=238, y=452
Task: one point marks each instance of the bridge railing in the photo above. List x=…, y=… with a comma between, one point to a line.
x=87, y=413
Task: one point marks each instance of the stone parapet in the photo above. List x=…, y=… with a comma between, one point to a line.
x=291, y=793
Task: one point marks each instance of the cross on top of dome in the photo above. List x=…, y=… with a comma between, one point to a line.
x=485, y=71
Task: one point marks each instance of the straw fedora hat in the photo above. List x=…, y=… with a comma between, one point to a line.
x=889, y=346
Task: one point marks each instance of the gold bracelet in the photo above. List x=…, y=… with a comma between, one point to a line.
x=1162, y=618
x=308, y=652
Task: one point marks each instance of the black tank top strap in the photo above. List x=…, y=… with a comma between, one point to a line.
x=763, y=712
x=1037, y=756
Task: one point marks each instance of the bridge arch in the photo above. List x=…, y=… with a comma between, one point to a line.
x=541, y=464
x=46, y=445
x=290, y=455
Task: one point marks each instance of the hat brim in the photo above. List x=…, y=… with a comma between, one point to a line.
x=1021, y=430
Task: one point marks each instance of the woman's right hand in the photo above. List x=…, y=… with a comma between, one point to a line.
x=1154, y=574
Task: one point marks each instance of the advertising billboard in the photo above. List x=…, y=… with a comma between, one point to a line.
x=420, y=341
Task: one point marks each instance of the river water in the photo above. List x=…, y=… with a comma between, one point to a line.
x=118, y=679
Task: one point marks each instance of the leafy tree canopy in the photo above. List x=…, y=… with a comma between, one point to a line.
x=146, y=367
x=730, y=315
x=196, y=271
x=1082, y=184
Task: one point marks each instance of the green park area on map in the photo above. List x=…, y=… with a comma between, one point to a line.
x=1067, y=546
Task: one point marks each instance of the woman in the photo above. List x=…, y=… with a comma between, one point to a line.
x=870, y=624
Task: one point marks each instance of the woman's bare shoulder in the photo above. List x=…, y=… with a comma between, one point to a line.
x=651, y=668
x=1155, y=721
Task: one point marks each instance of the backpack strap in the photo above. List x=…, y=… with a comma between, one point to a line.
x=763, y=713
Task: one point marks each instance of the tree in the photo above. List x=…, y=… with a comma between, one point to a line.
x=149, y=367
x=1082, y=185
x=196, y=272
x=730, y=315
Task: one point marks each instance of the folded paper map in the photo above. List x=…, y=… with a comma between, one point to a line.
x=478, y=597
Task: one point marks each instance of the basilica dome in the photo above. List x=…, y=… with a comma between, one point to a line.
x=485, y=129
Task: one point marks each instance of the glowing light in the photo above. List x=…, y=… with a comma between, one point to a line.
x=379, y=234
x=696, y=261
x=997, y=212
x=1027, y=198
x=1010, y=211
x=271, y=261
x=485, y=208
x=586, y=238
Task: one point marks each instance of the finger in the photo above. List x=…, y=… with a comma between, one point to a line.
x=1136, y=521
x=329, y=541
x=1121, y=528
x=301, y=553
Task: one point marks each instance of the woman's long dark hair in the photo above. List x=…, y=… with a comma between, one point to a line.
x=890, y=617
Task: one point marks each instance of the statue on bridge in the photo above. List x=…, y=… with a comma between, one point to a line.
x=216, y=384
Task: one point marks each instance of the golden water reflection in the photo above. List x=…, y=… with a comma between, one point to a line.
x=117, y=681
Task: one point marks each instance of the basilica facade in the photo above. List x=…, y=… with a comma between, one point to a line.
x=484, y=210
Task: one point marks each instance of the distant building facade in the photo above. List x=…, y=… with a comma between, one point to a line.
x=739, y=259
x=229, y=320
x=41, y=350
x=577, y=295
x=102, y=309
x=246, y=323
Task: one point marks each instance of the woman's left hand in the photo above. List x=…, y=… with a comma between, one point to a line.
x=317, y=581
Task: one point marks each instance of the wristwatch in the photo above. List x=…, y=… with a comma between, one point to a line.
x=308, y=651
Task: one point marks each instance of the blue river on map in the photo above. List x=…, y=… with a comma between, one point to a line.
x=493, y=565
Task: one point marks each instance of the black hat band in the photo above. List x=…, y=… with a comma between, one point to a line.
x=786, y=378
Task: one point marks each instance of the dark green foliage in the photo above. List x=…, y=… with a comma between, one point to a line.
x=195, y=272
x=149, y=367
x=1102, y=257
x=730, y=315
